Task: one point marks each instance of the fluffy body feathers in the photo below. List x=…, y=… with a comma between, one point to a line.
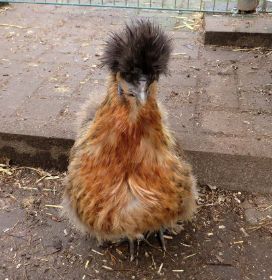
x=124, y=177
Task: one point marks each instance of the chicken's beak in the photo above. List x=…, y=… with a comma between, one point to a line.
x=142, y=92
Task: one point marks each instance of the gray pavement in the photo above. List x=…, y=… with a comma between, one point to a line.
x=219, y=99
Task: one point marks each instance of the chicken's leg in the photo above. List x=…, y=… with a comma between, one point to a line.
x=161, y=239
x=131, y=249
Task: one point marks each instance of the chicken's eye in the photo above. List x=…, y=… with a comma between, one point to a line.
x=131, y=94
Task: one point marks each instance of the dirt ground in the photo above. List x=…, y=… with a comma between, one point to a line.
x=230, y=237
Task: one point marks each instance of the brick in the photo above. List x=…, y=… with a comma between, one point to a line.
x=175, y=97
x=57, y=57
x=28, y=41
x=99, y=74
x=227, y=123
x=183, y=118
x=262, y=124
x=184, y=35
x=37, y=109
x=179, y=80
x=8, y=70
x=187, y=50
x=256, y=99
x=252, y=76
x=96, y=90
x=15, y=92
x=255, y=87
x=64, y=81
x=215, y=56
x=184, y=64
x=221, y=92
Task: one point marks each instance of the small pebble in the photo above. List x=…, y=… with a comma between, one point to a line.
x=237, y=200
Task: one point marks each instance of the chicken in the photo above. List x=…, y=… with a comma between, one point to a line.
x=124, y=177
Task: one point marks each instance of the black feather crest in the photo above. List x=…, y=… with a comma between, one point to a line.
x=142, y=48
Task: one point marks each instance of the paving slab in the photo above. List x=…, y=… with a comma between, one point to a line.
x=239, y=30
x=219, y=100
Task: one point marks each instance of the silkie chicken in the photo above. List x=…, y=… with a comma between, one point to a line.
x=124, y=177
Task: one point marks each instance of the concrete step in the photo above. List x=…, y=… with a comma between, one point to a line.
x=239, y=30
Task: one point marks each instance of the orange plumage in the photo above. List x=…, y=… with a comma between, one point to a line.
x=124, y=177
